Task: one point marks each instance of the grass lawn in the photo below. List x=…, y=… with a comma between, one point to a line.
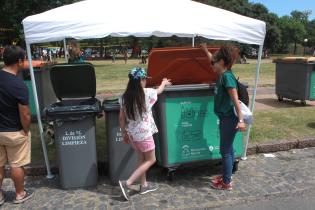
x=112, y=78
x=246, y=73
x=283, y=124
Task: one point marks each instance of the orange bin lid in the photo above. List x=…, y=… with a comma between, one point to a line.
x=36, y=64
x=182, y=65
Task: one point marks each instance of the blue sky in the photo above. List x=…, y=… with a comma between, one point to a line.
x=284, y=7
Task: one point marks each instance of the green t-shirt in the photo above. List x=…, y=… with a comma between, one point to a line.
x=223, y=104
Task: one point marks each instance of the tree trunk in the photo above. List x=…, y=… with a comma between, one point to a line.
x=294, y=51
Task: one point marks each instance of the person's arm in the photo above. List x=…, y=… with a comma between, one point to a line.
x=165, y=82
x=122, y=125
x=122, y=120
x=234, y=96
x=205, y=49
x=25, y=117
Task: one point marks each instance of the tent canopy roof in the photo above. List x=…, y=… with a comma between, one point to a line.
x=142, y=18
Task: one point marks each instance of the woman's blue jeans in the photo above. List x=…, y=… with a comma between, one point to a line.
x=227, y=134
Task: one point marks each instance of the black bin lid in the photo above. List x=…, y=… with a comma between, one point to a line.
x=73, y=80
x=111, y=104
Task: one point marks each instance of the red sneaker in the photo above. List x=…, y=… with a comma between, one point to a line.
x=221, y=186
x=217, y=179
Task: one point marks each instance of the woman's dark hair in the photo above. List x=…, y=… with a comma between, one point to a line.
x=12, y=55
x=134, y=98
x=227, y=53
x=74, y=52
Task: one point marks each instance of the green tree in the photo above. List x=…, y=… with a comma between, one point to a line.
x=14, y=11
x=292, y=30
x=301, y=16
x=310, y=34
x=254, y=10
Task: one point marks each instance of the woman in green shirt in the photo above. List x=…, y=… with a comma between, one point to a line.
x=225, y=99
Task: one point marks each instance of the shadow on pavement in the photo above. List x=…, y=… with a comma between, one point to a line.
x=274, y=103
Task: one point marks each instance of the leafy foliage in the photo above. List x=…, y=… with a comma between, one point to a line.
x=14, y=11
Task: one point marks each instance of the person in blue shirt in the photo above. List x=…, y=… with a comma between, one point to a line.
x=15, y=120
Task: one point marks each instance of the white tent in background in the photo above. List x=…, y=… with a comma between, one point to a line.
x=141, y=18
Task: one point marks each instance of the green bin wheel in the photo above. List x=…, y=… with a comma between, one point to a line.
x=170, y=176
x=280, y=98
x=303, y=103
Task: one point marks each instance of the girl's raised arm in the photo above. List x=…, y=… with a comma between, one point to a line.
x=165, y=82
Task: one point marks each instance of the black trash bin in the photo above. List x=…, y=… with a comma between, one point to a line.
x=121, y=157
x=295, y=78
x=74, y=123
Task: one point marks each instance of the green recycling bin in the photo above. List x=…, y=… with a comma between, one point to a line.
x=188, y=127
x=45, y=92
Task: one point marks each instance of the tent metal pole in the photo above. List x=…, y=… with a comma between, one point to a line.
x=65, y=49
x=193, y=41
x=244, y=157
x=40, y=125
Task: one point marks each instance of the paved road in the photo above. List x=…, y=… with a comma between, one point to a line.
x=298, y=201
x=258, y=180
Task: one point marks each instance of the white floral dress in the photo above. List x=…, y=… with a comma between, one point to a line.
x=143, y=127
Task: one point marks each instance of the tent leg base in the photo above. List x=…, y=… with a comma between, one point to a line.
x=50, y=176
x=244, y=158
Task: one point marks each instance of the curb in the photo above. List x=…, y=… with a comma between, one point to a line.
x=278, y=146
x=270, y=147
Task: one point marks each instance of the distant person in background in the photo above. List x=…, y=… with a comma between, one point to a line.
x=15, y=120
x=49, y=55
x=113, y=56
x=244, y=59
x=314, y=53
x=60, y=52
x=75, y=54
x=126, y=56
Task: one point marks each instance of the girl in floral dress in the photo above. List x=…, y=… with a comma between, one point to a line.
x=137, y=122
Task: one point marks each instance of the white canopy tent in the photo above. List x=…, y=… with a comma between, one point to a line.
x=141, y=18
